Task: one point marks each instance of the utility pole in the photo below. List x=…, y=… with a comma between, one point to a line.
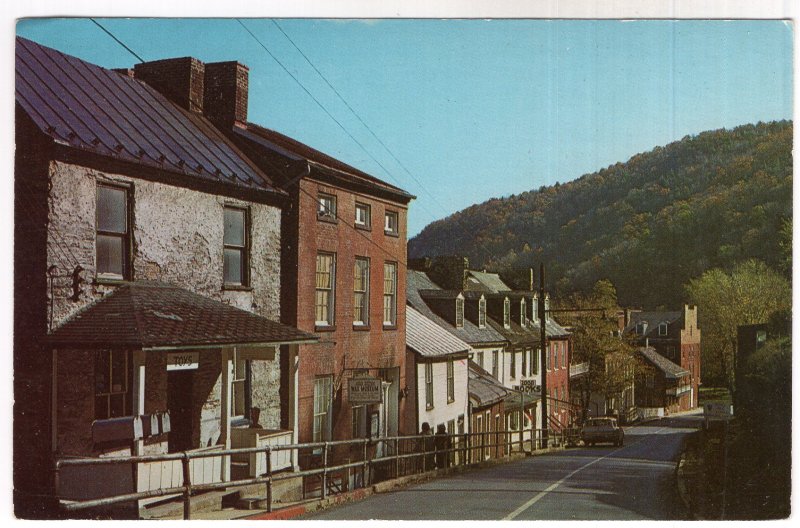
x=543, y=354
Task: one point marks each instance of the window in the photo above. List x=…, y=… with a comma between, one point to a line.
x=361, y=292
x=480, y=359
x=547, y=308
x=506, y=312
x=240, y=387
x=322, y=399
x=482, y=313
x=535, y=308
x=513, y=366
x=112, y=232
x=534, y=363
x=459, y=313
x=548, y=357
x=428, y=386
x=451, y=427
x=327, y=207
x=662, y=329
x=112, y=389
x=326, y=280
x=389, y=294
x=363, y=216
x=390, y=223
x=494, y=364
x=514, y=421
x=525, y=362
x=556, y=355
x=451, y=381
x=641, y=328
x=522, y=308
x=235, y=265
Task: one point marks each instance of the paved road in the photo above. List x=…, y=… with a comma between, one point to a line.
x=635, y=481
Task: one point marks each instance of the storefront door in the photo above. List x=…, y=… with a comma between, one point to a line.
x=179, y=402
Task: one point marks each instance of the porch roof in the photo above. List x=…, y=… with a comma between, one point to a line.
x=671, y=370
x=153, y=315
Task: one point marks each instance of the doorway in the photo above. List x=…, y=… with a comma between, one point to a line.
x=180, y=385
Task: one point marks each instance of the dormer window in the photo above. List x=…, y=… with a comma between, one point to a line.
x=482, y=313
x=641, y=328
x=459, y=313
x=522, y=308
x=506, y=313
x=662, y=329
x=535, y=308
x=547, y=308
x=327, y=207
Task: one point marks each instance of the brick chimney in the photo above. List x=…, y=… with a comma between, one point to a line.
x=179, y=80
x=225, y=94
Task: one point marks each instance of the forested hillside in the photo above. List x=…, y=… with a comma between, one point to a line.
x=649, y=225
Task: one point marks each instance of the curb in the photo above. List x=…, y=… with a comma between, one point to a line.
x=386, y=486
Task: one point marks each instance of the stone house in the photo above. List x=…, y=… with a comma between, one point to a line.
x=147, y=282
x=676, y=337
x=437, y=364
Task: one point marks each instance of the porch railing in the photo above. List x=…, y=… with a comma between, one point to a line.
x=381, y=459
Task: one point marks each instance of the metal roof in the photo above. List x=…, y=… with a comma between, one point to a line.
x=488, y=282
x=483, y=388
x=670, y=369
x=99, y=111
x=428, y=339
x=153, y=315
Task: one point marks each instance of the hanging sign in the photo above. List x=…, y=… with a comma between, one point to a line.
x=183, y=361
x=364, y=390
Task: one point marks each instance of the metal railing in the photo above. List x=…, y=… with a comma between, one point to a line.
x=421, y=453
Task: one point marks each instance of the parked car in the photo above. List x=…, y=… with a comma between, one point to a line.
x=597, y=430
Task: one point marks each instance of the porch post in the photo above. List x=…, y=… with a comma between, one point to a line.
x=226, y=367
x=294, y=398
x=139, y=359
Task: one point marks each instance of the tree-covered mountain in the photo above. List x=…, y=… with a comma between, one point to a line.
x=649, y=225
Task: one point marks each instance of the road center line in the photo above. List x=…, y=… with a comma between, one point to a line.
x=511, y=516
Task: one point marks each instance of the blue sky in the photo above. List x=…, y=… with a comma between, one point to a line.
x=475, y=109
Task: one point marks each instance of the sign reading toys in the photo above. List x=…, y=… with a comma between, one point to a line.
x=364, y=390
x=183, y=361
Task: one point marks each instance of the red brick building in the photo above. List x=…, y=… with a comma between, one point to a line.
x=675, y=336
x=343, y=278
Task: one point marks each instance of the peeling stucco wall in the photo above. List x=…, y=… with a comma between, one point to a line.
x=177, y=238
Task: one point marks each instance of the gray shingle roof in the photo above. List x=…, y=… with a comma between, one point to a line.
x=428, y=339
x=653, y=319
x=470, y=333
x=152, y=314
x=483, y=388
x=99, y=111
x=670, y=369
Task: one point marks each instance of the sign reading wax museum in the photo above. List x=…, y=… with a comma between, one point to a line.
x=183, y=361
x=364, y=390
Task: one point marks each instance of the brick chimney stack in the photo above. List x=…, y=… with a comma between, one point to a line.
x=179, y=80
x=225, y=94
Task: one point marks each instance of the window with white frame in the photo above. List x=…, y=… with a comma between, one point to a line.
x=389, y=294
x=535, y=308
x=326, y=207
x=390, y=225
x=235, y=240
x=547, y=308
x=451, y=381
x=482, y=313
x=495, y=365
x=112, y=387
x=524, y=362
x=240, y=387
x=479, y=359
x=662, y=329
x=506, y=313
x=522, y=309
x=363, y=215
x=322, y=398
x=112, y=236
x=459, y=313
x=428, y=386
x=325, y=289
x=361, y=292
x=534, y=364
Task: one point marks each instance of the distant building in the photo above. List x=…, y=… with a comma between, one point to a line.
x=676, y=337
x=660, y=384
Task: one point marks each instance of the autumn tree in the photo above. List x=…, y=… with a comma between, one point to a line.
x=750, y=294
x=611, y=365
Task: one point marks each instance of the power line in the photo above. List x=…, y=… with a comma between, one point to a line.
x=118, y=41
x=372, y=132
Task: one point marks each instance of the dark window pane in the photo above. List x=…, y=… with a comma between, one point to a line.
x=232, y=267
x=118, y=381
x=234, y=227
x=100, y=407
x=110, y=251
x=101, y=372
x=117, y=405
x=112, y=214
